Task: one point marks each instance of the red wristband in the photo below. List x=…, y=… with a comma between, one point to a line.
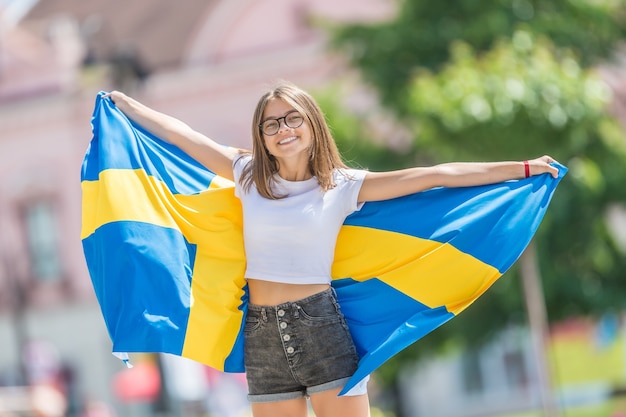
x=526, y=169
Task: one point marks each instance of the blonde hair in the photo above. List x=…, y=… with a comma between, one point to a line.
x=325, y=157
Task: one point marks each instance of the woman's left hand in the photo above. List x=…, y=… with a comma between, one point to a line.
x=541, y=166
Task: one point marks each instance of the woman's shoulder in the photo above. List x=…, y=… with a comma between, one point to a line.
x=240, y=162
x=348, y=174
x=348, y=177
x=242, y=159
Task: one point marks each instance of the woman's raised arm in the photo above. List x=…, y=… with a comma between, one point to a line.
x=216, y=157
x=391, y=184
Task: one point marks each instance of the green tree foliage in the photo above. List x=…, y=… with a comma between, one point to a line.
x=358, y=136
x=514, y=79
x=420, y=37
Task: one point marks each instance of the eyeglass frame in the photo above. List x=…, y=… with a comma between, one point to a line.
x=278, y=120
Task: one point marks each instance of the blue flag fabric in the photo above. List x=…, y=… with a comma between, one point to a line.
x=163, y=241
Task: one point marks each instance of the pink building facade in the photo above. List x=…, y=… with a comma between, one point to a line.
x=207, y=66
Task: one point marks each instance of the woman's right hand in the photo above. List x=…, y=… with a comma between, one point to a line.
x=214, y=156
x=117, y=97
x=113, y=95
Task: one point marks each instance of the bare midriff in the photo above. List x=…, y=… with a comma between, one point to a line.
x=269, y=293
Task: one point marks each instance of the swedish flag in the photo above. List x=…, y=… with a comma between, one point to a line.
x=163, y=241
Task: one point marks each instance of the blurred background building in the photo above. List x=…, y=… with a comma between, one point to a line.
x=205, y=62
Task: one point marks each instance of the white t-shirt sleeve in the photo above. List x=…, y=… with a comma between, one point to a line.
x=239, y=163
x=349, y=182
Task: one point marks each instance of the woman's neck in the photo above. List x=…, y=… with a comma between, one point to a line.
x=291, y=170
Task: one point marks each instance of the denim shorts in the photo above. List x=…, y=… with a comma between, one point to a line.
x=298, y=348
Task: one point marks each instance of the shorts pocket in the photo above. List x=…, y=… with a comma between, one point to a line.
x=252, y=324
x=320, y=314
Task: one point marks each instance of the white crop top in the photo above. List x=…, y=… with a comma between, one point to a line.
x=292, y=240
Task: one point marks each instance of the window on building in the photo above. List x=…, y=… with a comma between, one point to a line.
x=42, y=240
x=516, y=374
x=473, y=381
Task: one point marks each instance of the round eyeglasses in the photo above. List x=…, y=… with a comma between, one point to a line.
x=271, y=126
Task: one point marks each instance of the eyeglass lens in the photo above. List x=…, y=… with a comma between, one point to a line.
x=292, y=120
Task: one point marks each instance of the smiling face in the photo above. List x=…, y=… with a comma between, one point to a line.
x=294, y=153
x=289, y=143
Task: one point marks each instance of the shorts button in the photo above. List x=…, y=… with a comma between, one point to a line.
x=281, y=313
x=286, y=338
x=283, y=325
x=289, y=350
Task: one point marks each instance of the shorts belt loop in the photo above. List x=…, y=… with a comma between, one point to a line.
x=334, y=300
x=332, y=289
x=296, y=308
x=264, y=314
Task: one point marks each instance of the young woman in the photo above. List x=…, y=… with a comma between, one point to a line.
x=296, y=193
